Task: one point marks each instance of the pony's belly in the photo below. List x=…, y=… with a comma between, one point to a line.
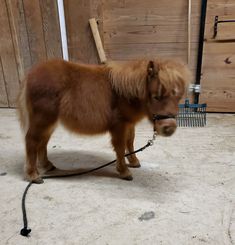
x=85, y=125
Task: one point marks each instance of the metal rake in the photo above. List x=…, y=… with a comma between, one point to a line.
x=191, y=115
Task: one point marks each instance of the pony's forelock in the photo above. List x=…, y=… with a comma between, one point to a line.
x=173, y=75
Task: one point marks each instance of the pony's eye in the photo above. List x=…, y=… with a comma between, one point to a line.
x=156, y=97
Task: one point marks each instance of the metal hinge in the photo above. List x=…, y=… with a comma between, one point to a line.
x=196, y=88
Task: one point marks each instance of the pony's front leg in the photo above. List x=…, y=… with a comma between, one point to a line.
x=133, y=160
x=119, y=133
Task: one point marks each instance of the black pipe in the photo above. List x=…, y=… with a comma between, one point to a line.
x=200, y=47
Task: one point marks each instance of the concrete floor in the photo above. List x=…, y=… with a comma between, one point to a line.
x=183, y=194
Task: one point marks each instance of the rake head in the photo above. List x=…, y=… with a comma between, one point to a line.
x=191, y=115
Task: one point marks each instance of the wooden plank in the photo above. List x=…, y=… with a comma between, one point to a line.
x=97, y=39
x=51, y=28
x=81, y=45
x=138, y=16
x=218, y=100
x=8, y=60
x=163, y=5
x=218, y=79
x=156, y=50
x=225, y=31
x=97, y=13
x=20, y=36
x=223, y=9
x=136, y=22
x=220, y=7
x=159, y=33
x=3, y=92
x=150, y=28
x=34, y=25
x=219, y=55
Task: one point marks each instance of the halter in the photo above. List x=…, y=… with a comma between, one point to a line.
x=162, y=117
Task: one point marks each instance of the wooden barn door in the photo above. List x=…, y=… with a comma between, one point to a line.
x=30, y=33
x=218, y=71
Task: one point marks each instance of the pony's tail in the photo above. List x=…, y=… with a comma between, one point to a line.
x=23, y=112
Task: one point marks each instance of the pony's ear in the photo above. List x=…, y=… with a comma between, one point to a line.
x=151, y=68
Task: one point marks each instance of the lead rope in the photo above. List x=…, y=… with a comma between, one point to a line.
x=25, y=231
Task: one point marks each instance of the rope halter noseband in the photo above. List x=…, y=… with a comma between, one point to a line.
x=162, y=117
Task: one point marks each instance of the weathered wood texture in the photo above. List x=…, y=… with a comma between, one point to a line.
x=30, y=33
x=150, y=28
x=3, y=92
x=129, y=29
x=8, y=59
x=218, y=71
x=81, y=46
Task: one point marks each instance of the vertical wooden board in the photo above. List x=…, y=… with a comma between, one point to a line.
x=225, y=10
x=218, y=80
x=218, y=74
x=97, y=13
x=51, y=28
x=34, y=25
x=8, y=60
x=20, y=36
x=3, y=92
x=81, y=45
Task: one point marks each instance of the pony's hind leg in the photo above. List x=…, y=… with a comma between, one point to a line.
x=36, y=140
x=43, y=163
x=133, y=160
x=118, y=134
x=32, y=139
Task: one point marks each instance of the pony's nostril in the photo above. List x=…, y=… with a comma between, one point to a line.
x=168, y=130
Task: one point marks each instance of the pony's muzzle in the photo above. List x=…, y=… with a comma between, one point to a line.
x=165, y=127
x=168, y=130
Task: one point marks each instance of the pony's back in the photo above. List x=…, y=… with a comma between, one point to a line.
x=75, y=94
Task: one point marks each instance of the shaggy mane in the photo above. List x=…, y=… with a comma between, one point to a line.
x=129, y=78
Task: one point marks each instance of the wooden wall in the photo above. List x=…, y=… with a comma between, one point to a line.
x=30, y=33
x=131, y=29
x=81, y=46
x=151, y=28
x=218, y=71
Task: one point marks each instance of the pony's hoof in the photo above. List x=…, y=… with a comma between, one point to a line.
x=45, y=168
x=39, y=180
x=50, y=169
x=134, y=165
x=34, y=178
x=129, y=178
x=133, y=162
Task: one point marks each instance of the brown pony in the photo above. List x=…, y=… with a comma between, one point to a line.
x=94, y=99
